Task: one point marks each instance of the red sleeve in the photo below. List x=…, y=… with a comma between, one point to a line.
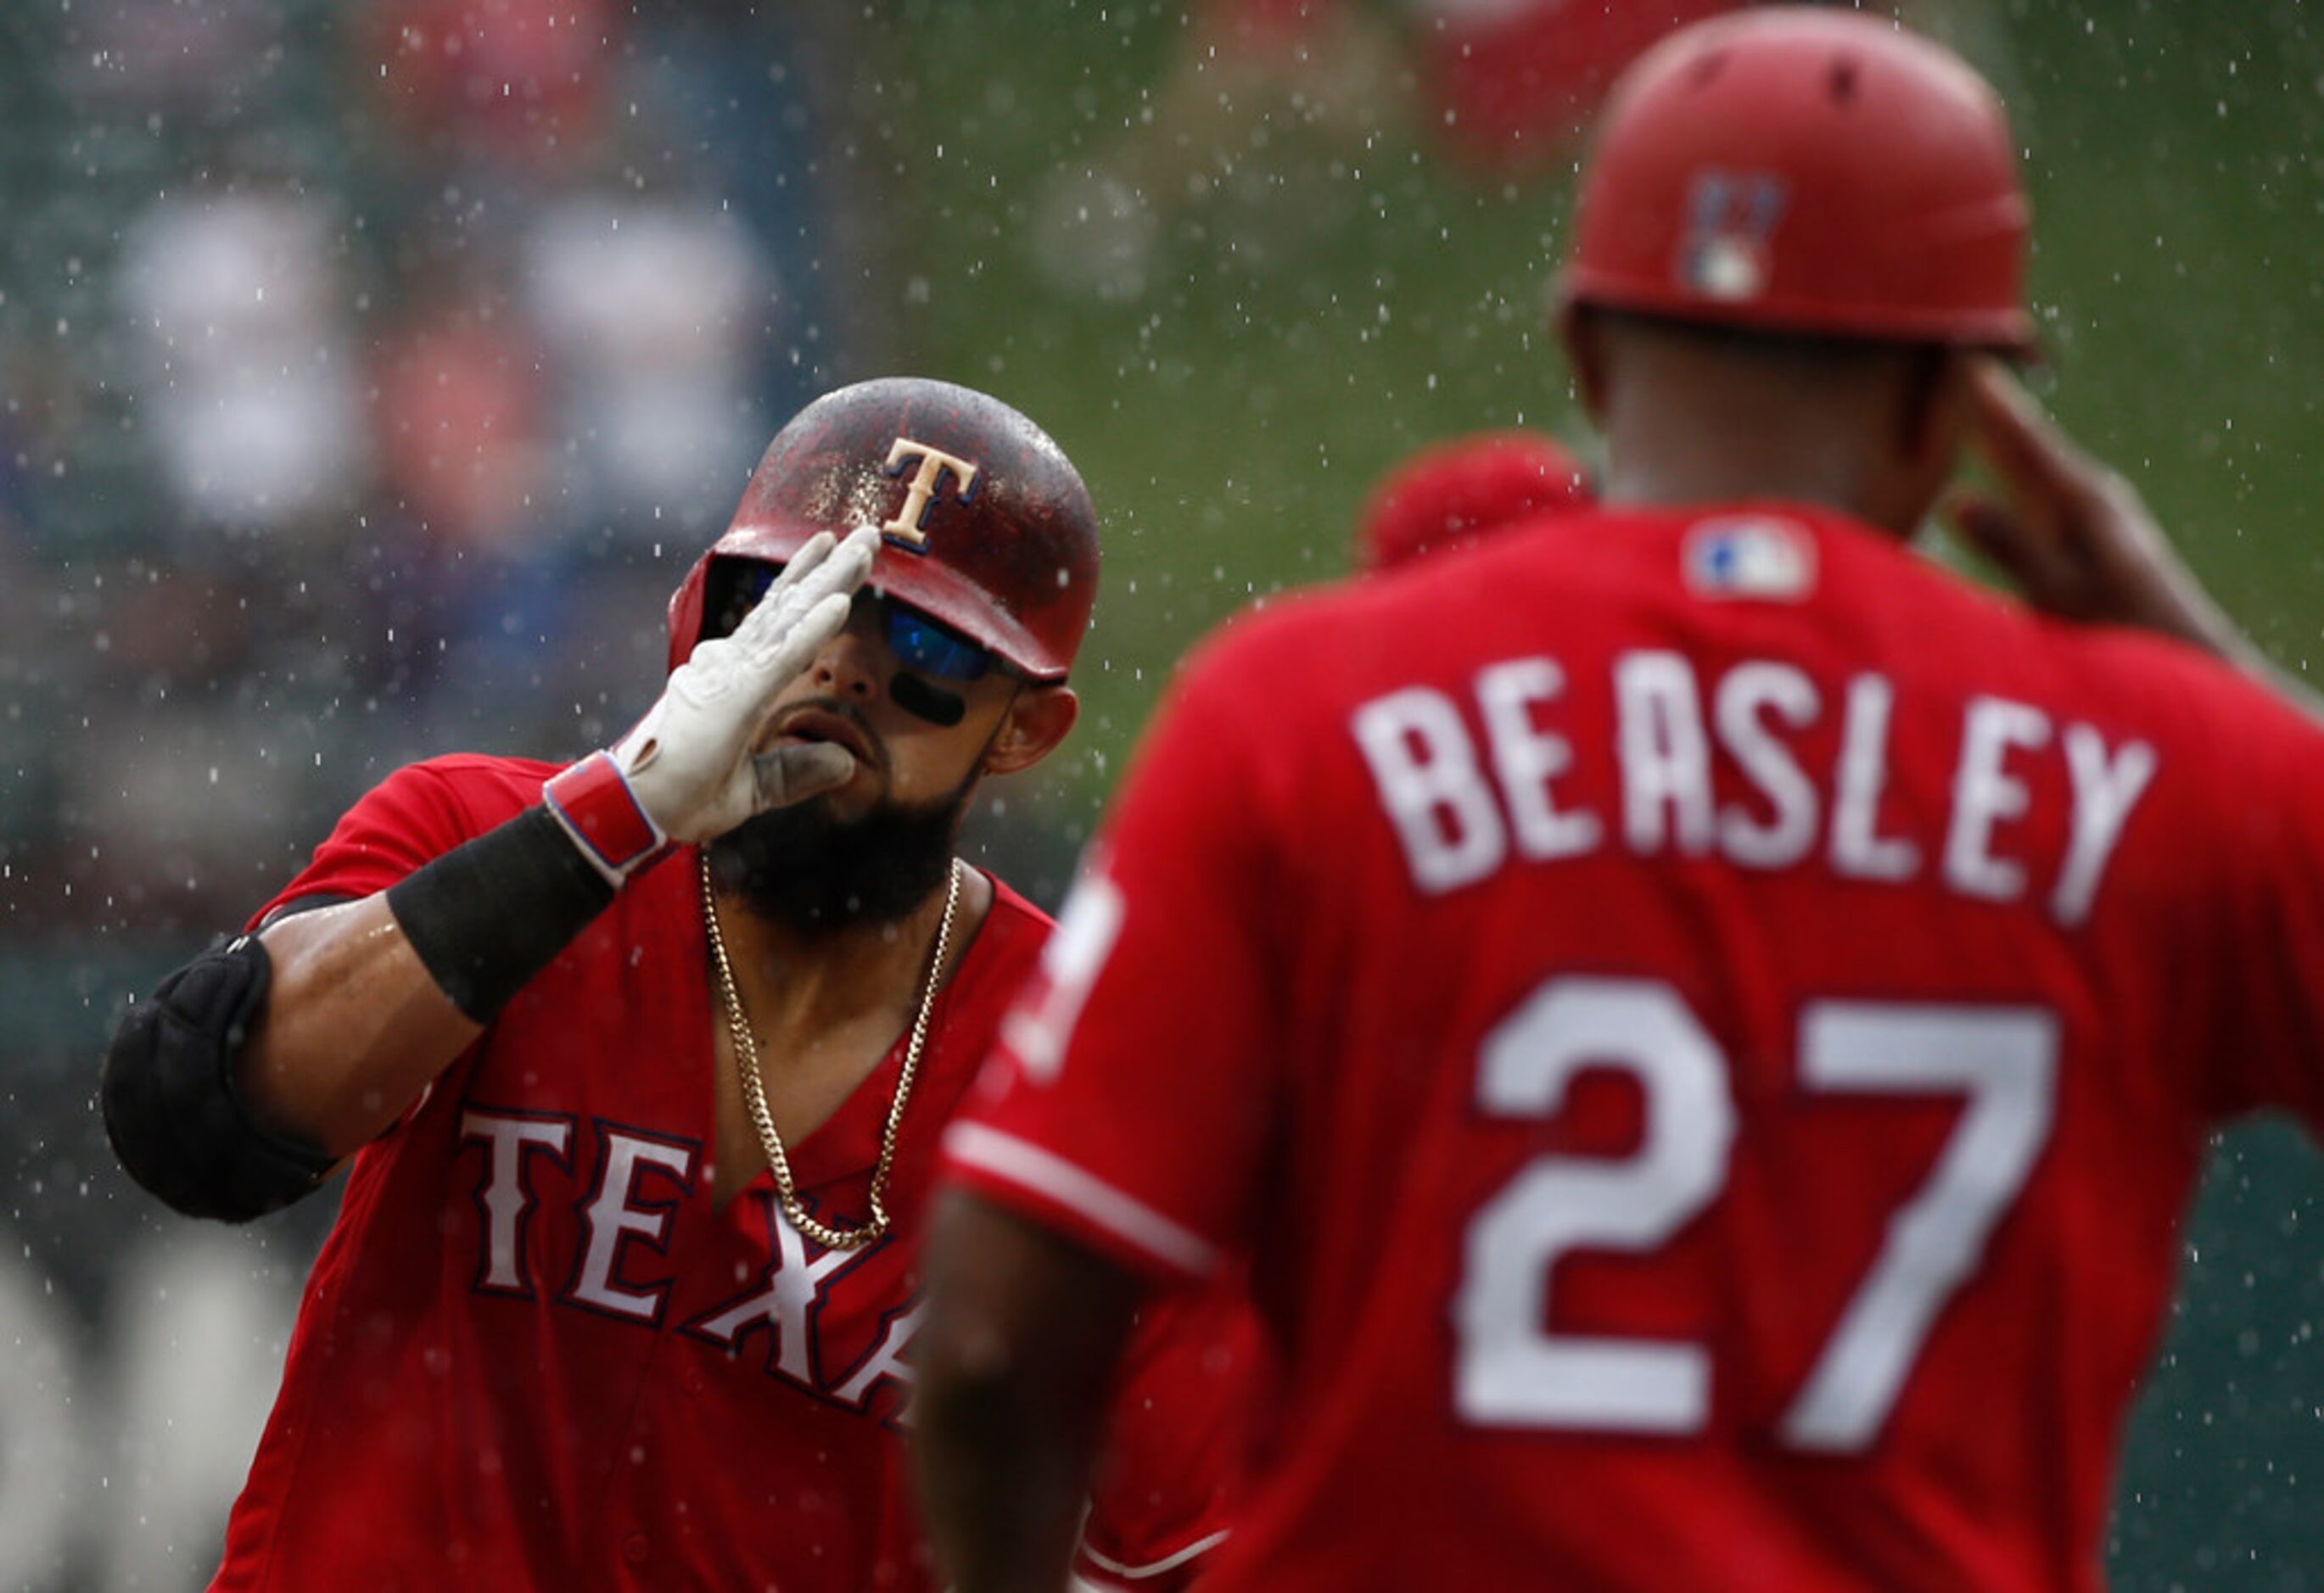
x=417, y=813
x=2272, y=820
x=1133, y=1087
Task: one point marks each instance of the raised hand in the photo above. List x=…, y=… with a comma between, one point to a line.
x=2079, y=543
x=2074, y=536
x=691, y=770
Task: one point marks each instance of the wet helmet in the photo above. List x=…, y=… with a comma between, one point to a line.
x=1803, y=170
x=987, y=526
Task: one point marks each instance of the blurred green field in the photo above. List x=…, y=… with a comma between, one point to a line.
x=1232, y=416
x=1299, y=336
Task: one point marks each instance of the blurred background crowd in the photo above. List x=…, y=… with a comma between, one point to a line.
x=370, y=371
x=375, y=358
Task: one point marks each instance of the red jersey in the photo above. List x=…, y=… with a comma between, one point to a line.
x=1706, y=1025
x=534, y=1354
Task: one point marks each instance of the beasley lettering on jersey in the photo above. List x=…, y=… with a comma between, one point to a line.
x=1461, y=811
x=620, y=1211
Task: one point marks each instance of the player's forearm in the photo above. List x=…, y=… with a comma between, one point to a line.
x=1004, y=1446
x=370, y=1000
x=247, y=1073
x=356, y=1027
x=1001, y=1482
x=1024, y=1329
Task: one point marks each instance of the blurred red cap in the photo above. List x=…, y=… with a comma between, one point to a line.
x=1457, y=490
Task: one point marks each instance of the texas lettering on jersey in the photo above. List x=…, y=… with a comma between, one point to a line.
x=536, y=1352
x=614, y=1239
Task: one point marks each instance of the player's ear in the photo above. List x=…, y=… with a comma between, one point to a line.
x=1583, y=335
x=1037, y=721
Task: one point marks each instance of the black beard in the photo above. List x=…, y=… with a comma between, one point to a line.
x=801, y=867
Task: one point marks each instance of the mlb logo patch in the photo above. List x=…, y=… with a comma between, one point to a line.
x=1726, y=254
x=1754, y=556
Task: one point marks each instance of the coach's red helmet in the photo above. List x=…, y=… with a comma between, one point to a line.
x=1803, y=170
x=1459, y=490
x=988, y=526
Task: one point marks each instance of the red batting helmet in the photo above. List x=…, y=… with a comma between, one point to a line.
x=1811, y=170
x=988, y=526
x=1458, y=489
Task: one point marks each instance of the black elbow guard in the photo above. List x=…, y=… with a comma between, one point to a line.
x=177, y=1121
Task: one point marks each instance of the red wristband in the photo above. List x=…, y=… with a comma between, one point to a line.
x=601, y=812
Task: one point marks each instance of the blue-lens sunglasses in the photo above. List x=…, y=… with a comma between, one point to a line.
x=921, y=644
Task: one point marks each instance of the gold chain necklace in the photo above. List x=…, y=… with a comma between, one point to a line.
x=754, y=1091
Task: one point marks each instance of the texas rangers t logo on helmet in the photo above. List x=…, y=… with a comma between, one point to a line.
x=926, y=485
x=1732, y=218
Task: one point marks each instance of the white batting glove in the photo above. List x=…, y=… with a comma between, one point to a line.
x=688, y=771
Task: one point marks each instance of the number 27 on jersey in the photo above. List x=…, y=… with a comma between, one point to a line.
x=1512, y=1372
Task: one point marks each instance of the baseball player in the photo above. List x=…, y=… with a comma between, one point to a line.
x=1453, y=493
x=1704, y=1023
x=639, y=1067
